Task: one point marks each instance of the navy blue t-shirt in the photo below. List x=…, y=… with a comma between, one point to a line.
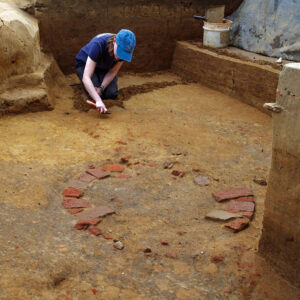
x=97, y=50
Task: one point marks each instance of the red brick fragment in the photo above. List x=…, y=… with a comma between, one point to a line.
x=95, y=230
x=149, y=254
x=108, y=237
x=177, y=173
x=115, y=168
x=118, y=149
x=74, y=211
x=171, y=255
x=125, y=158
x=94, y=291
x=72, y=192
x=86, y=177
x=248, y=214
x=124, y=176
x=69, y=198
x=95, y=212
x=240, y=206
x=245, y=199
x=181, y=232
x=98, y=173
x=217, y=259
x=238, y=224
x=121, y=143
x=151, y=164
x=77, y=203
x=92, y=167
x=136, y=163
x=81, y=227
x=89, y=222
x=164, y=242
x=232, y=193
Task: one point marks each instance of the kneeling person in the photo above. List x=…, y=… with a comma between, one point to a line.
x=98, y=63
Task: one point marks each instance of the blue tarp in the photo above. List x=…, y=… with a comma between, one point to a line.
x=269, y=27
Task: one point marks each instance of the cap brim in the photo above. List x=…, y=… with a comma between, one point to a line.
x=124, y=55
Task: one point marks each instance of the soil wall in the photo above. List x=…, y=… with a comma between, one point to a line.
x=280, y=240
x=66, y=26
x=247, y=81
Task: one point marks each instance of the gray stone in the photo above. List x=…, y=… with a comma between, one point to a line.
x=201, y=180
x=260, y=180
x=221, y=215
x=118, y=245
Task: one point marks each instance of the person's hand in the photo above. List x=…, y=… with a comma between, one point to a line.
x=98, y=91
x=101, y=107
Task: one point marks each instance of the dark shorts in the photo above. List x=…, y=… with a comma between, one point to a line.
x=111, y=91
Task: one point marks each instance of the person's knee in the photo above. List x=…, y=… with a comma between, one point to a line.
x=111, y=94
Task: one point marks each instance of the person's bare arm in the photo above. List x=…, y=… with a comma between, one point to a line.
x=110, y=75
x=89, y=86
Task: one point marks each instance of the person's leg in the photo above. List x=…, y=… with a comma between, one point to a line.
x=95, y=79
x=111, y=91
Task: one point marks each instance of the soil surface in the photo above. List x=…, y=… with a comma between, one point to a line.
x=163, y=121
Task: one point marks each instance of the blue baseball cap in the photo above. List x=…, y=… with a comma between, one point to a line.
x=125, y=44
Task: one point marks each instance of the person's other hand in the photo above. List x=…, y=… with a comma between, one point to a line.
x=101, y=107
x=98, y=91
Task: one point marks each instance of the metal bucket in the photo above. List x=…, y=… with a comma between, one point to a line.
x=216, y=35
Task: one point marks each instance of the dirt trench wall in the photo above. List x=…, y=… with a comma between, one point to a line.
x=280, y=241
x=28, y=77
x=66, y=26
x=249, y=82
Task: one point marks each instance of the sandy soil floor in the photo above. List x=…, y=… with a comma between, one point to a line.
x=198, y=129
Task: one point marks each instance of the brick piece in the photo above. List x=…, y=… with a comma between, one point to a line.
x=95, y=230
x=232, y=194
x=89, y=222
x=74, y=211
x=77, y=203
x=69, y=198
x=81, y=227
x=96, y=212
x=85, y=177
x=115, y=168
x=124, y=176
x=72, y=192
x=108, y=237
x=98, y=173
x=245, y=199
x=248, y=214
x=238, y=224
x=171, y=255
x=240, y=206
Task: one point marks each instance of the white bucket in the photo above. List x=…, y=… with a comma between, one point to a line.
x=216, y=35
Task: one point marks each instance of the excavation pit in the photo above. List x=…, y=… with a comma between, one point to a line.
x=201, y=116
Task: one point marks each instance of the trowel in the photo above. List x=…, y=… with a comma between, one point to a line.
x=94, y=105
